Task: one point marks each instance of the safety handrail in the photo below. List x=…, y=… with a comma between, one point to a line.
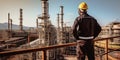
x=21, y=51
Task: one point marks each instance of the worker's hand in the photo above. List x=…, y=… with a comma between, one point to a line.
x=80, y=42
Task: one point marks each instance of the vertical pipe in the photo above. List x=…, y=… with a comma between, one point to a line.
x=44, y=57
x=37, y=23
x=65, y=27
x=110, y=30
x=29, y=39
x=106, y=50
x=58, y=20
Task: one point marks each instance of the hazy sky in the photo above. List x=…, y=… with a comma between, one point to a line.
x=105, y=11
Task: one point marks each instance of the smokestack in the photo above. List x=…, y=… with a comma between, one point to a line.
x=8, y=21
x=21, y=18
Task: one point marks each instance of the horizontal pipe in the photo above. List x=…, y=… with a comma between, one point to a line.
x=21, y=51
x=101, y=39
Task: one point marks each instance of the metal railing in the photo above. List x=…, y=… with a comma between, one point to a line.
x=44, y=49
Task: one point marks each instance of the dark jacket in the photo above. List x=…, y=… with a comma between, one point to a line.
x=85, y=26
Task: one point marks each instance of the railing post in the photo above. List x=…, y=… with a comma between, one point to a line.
x=106, y=50
x=44, y=56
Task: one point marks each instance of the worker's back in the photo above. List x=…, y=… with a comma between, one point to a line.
x=86, y=26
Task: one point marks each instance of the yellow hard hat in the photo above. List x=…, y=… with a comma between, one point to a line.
x=83, y=6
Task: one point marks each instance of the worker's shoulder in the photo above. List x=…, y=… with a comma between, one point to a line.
x=89, y=16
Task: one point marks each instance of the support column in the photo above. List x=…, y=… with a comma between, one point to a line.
x=44, y=56
x=106, y=50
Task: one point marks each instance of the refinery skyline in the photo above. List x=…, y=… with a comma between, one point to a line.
x=47, y=42
x=104, y=11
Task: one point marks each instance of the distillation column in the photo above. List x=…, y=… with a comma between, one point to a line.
x=44, y=18
x=58, y=30
x=62, y=30
x=8, y=21
x=10, y=28
x=21, y=18
x=11, y=25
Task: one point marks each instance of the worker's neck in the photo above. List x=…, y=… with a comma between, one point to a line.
x=83, y=14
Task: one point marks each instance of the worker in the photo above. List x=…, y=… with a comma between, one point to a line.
x=85, y=30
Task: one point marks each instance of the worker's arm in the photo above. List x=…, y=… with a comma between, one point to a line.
x=74, y=29
x=97, y=29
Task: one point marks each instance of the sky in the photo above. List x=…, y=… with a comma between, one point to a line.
x=105, y=11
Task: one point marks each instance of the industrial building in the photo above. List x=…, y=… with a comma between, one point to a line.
x=112, y=29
